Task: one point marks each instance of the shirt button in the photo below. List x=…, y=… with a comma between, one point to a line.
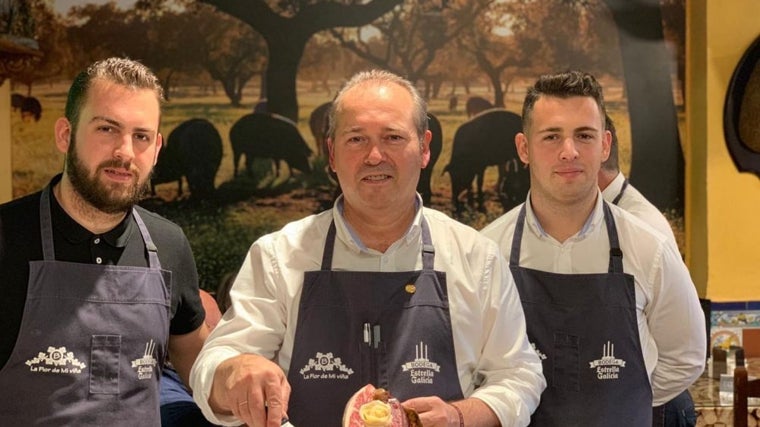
x=99, y=260
x=97, y=240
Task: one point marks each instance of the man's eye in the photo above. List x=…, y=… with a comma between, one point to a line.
x=142, y=137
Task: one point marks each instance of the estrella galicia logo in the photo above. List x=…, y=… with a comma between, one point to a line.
x=608, y=367
x=325, y=366
x=421, y=369
x=145, y=365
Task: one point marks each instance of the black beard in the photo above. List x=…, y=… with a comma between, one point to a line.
x=110, y=200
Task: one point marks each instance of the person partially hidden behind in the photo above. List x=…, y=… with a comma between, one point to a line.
x=679, y=411
x=96, y=290
x=609, y=304
x=177, y=406
x=377, y=290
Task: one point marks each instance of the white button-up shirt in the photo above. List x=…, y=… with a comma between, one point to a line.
x=634, y=202
x=495, y=361
x=670, y=319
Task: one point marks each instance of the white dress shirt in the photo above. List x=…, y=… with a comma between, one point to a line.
x=670, y=320
x=496, y=363
x=634, y=202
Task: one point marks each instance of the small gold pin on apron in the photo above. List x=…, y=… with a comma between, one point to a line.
x=410, y=288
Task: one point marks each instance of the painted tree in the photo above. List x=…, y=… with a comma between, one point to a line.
x=286, y=26
x=409, y=37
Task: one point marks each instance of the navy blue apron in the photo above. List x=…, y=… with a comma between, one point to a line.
x=92, y=341
x=584, y=328
x=390, y=329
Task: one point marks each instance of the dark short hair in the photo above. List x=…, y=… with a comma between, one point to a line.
x=121, y=71
x=611, y=164
x=380, y=77
x=562, y=85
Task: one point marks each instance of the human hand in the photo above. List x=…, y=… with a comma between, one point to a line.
x=433, y=411
x=252, y=388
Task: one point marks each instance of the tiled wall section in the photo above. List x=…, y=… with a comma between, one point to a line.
x=736, y=323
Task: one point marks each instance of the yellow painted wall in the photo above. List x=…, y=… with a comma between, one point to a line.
x=723, y=205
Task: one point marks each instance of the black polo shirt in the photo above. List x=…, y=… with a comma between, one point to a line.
x=20, y=243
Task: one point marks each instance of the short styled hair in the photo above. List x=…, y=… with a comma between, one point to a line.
x=562, y=85
x=121, y=71
x=379, y=77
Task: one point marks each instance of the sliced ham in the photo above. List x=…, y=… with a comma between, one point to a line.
x=371, y=407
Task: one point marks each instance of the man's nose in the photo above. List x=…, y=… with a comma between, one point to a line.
x=569, y=151
x=125, y=149
x=375, y=154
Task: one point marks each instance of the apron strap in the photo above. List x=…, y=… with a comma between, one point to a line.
x=153, y=261
x=514, y=256
x=46, y=230
x=46, y=225
x=428, y=250
x=617, y=198
x=616, y=254
x=329, y=246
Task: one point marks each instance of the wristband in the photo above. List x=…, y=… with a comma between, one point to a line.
x=459, y=413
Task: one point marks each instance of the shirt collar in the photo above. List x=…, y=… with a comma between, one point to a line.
x=348, y=235
x=73, y=232
x=593, y=220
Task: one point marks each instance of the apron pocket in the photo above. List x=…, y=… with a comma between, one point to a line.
x=104, y=364
x=566, y=375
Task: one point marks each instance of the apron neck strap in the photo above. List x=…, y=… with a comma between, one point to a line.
x=46, y=225
x=428, y=251
x=46, y=231
x=617, y=198
x=616, y=254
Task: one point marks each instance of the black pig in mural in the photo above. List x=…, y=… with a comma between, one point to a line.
x=269, y=136
x=436, y=145
x=487, y=139
x=193, y=150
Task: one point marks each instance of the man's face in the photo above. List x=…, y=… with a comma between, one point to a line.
x=565, y=146
x=376, y=152
x=110, y=158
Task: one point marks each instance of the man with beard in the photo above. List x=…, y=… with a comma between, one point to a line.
x=96, y=291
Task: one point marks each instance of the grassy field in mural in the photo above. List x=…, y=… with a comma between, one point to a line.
x=244, y=208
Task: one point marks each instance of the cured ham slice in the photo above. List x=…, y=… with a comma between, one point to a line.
x=374, y=407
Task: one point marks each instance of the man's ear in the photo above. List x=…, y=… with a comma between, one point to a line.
x=521, y=143
x=606, y=145
x=331, y=153
x=62, y=133
x=425, y=148
x=159, y=145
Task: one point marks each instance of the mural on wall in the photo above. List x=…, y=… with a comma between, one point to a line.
x=248, y=84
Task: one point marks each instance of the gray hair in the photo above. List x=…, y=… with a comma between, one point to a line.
x=378, y=77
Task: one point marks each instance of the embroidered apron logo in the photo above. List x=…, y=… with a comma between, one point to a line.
x=607, y=368
x=325, y=366
x=541, y=355
x=56, y=361
x=145, y=365
x=421, y=369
